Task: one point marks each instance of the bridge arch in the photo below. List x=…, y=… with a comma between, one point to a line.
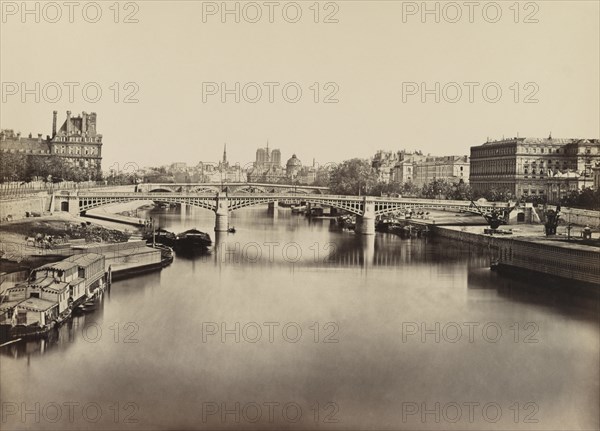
x=204, y=189
x=161, y=190
x=251, y=189
x=86, y=204
x=237, y=202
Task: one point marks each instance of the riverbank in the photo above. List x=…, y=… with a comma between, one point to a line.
x=526, y=251
x=121, y=213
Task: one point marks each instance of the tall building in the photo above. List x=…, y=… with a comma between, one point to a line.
x=293, y=167
x=267, y=167
x=396, y=166
x=224, y=162
x=266, y=158
x=404, y=170
x=76, y=142
x=533, y=166
x=384, y=162
x=454, y=169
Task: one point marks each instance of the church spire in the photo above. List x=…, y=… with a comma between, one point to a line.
x=225, y=153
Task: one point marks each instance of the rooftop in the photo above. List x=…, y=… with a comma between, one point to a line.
x=546, y=141
x=37, y=304
x=63, y=265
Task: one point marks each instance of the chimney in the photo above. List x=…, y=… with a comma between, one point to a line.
x=91, y=124
x=54, y=114
x=84, y=118
x=68, y=123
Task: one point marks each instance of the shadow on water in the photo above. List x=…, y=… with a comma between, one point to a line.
x=61, y=338
x=565, y=298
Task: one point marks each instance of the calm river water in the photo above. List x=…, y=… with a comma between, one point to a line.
x=295, y=324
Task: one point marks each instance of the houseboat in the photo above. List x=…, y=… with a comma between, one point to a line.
x=48, y=297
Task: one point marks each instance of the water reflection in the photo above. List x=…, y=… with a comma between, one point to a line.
x=58, y=339
x=280, y=267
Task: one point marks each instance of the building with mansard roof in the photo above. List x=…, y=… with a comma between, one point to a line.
x=76, y=141
x=540, y=167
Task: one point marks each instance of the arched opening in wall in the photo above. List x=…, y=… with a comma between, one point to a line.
x=521, y=218
x=64, y=206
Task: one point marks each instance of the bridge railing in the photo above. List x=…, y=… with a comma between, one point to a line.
x=224, y=184
x=278, y=196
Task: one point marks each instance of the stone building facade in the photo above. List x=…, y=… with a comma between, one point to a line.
x=267, y=167
x=454, y=169
x=533, y=166
x=76, y=142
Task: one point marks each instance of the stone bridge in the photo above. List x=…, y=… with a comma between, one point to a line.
x=365, y=208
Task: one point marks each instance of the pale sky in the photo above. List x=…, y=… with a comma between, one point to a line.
x=368, y=54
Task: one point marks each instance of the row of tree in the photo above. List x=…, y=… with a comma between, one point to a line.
x=23, y=167
x=358, y=177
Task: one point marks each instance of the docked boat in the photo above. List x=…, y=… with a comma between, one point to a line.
x=347, y=222
x=192, y=240
x=162, y=236
x=45, y=301
x=298, y=209
x=387, y=225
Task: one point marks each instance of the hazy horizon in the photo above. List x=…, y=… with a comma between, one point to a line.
x=368, y=55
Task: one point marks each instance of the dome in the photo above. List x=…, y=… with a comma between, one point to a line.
x=293, y=162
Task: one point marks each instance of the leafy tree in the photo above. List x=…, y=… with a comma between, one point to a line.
x=497, y=195
x=12, y=167
x=585, y=199
x=353, y=177
x=437, y=189
x=410, y=189
x=460, y=191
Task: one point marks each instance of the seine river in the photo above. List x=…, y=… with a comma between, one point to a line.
x=295, y=324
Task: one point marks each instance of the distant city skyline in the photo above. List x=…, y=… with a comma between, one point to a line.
x=214, y=154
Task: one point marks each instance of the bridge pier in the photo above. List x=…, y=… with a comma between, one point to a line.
x=273, y=206
x=222, y=214
x=365, y=224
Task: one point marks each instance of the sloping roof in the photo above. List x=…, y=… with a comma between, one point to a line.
x=25, y=145
x=9, y=304
x=37, y=304
x=63, y=265
x=57, y=287
x=76, y=125
x=85, y=258
x=48, y=282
